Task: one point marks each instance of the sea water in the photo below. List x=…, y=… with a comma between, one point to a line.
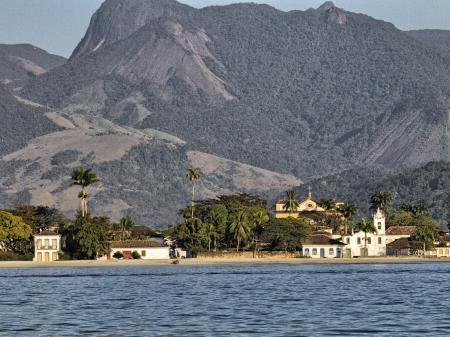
x=230, y=300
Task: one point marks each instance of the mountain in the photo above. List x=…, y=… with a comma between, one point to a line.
x=434, y=38
x=258, y=98
x=429, y=185
x=19, y=62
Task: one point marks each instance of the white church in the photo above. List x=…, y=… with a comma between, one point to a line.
x=354, y=244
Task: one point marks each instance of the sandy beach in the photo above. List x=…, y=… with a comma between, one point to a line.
x=213, y=261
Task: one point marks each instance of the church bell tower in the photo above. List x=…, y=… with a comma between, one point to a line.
x=379, y=222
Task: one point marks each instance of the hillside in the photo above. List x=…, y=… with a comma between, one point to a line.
x=429, y=185
x=21, y=62
x=257, y=98
x=434, y=38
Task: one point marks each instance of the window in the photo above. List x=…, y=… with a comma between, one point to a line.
x=54, y=244
x=306, y=252
x=143, y=253
x=331, y=251
x=39, y=244
x=379, y=241
x=369, y=241
x=359, y=241
x=348, y=240
x=379, y=225
x=46, y=243
x=314, y=251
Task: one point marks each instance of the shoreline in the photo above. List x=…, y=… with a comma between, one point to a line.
x=215, y=261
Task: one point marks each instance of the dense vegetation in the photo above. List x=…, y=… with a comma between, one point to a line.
x=428, y=185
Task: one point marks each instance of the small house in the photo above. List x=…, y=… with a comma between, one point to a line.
x=47, y=244
x=147, y=249
x=321, y=245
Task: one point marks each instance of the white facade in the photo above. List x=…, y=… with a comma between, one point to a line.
x=317, y=251
x=46, y=246
x=146, y=253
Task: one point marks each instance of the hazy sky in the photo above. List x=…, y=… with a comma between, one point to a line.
x=58, y=25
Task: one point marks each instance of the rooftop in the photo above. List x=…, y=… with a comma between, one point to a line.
x=47, y=232
x=401, y=230
x=135, y=244
x=321, y=239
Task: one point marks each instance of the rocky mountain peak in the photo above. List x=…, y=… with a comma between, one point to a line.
x=326, y=6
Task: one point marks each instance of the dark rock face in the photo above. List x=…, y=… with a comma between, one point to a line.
x=334, y=87
x=23, y=61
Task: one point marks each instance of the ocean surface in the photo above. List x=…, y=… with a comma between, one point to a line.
x=235, y=300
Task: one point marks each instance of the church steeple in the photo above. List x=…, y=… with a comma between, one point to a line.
x=309, y=192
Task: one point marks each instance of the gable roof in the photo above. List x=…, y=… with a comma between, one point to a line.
x=401, y=230
x=322, y=239
x=404, y=243
x=135, y=244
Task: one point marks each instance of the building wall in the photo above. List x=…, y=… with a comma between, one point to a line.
x=46, y=250
x=376, y=244
x=146, y=253
x=309, y=250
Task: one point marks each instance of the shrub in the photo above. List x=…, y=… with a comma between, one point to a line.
x=135, y=255
x=10, y=256
x=118, y=255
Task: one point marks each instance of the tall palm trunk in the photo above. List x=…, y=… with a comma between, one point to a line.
x=83, y=205
x=238, y=242
x=193, y=198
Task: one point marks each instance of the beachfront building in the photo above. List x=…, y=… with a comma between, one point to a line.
x=376, y=243
x=322, y=246
x=304, y=206
x=47, y=244
x=147, y=249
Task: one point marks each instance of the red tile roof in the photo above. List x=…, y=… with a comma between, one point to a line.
x=401, y=230
x=321, y=239
x=135, y=244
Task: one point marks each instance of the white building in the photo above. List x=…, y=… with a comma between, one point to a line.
x=377, y=241
x=147, y=249
x=356, y=243
x=321, y=245
x=47, y=244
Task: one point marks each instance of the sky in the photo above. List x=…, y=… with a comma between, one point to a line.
x=58, y=25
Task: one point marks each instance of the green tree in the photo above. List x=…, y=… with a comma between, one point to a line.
x=125, y=225
x=83, y=178
x=365, y=226
x=285, y=234
x=190, y=235
x=40, y=217
x=415, y=209
x=328, y=204
x=290, y=204
x=382, y=201
x=14, y=232
x=211, y=233
x=193, y=174
x=240, y=228
x=348, y=211
x=88, y=238
x=427, y=235
x=218, y=216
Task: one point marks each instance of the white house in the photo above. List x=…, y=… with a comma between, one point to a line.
x=321, y=246
x=147, y=249
x=47, y=244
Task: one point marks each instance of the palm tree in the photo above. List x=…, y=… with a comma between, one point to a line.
x=210, y=233
x=290, y=204
x=125, y=225
x=380, y=200
x=348, y=211
x=424, y=234
x=260, y=218
x=240, y=228
x=193, y=174
x=367, y=227
x=83, y=178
